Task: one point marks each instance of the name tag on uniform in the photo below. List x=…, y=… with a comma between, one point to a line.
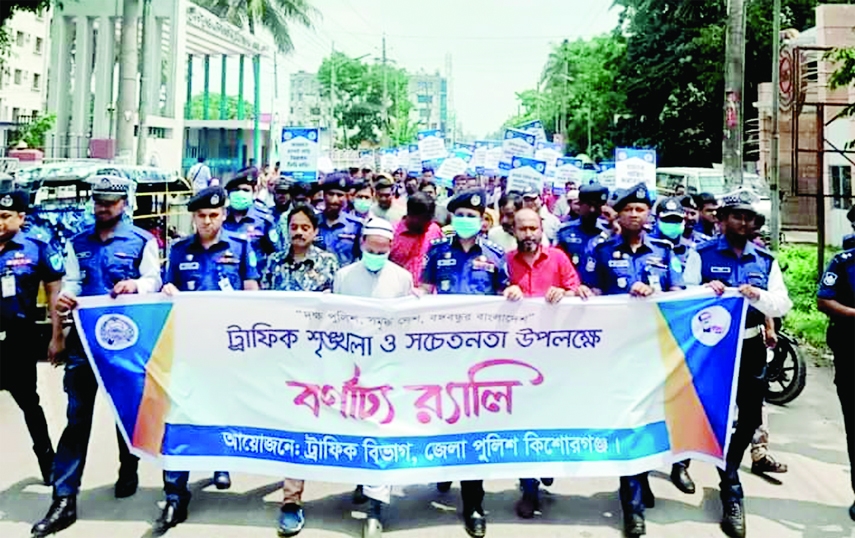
x=574, y=240
x=720, y=269
x=83, y=255
x=7, y=285
x=618, y=263
x=483, y=266
x=188, y=266
x=446, y=263
x=346, y=236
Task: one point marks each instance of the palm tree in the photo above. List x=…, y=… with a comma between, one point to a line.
x=275, y=15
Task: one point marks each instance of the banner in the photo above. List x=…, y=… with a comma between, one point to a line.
x=517, y=143
x=536, y=128
x=432, y=145
x=299, y=153
x=438, y=388
x=633, y=166
x=526, y=173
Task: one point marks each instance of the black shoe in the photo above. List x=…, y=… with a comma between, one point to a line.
x=852, y=512
x=126, y=485
x=476, y=524
x=358, y=496
x=46, y=466
x=222, y=480
x=547, y=481
x=768, y=464
x=733, y=519
x=443, y=487
x=528, y=506
x=680, y=477
x=633, y=525
x=61, y=515
x=174, y=512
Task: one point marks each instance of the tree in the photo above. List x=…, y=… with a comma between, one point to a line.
x=274, y=15
x=33, y=133
x=8, y=7
x=359, y=100
x=197, y=107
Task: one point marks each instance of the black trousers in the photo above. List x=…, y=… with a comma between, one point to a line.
x=18, y=358
x=844, y=378
x=472, y=494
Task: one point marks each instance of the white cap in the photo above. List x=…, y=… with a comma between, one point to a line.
x=573, y=194
x=378, y=226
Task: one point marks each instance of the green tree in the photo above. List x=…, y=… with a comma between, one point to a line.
x=274, y=15
x=197, y=107
x=8, y=7
x=33, y=133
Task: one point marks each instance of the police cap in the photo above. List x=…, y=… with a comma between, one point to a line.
x=530, y=192
x=669, y=207
x=383, y=181
x=210, y=198
x=739, y=201
x=688, y=201
x=236, y=182
x=593, y=193
x=637, y=194
x=283, y=185
x=109, y=188
x=15, y=200
x=469, y=199
x=337, y=181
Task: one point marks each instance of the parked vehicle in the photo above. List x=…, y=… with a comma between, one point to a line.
x=711, y=180
x=786, y=371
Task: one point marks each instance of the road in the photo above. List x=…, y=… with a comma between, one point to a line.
x=811, y=501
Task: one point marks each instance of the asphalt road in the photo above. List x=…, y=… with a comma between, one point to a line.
x=810, y=501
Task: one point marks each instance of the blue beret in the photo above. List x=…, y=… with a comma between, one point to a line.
x=593, y=193
x=635, y=194
x=210, y=198
x=15, y=200
x=235, y=182
x=670, y=206
x=337, y=181
x=470, y=199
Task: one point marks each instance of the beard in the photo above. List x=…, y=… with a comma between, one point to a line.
x=527, y=245
x=108, y=223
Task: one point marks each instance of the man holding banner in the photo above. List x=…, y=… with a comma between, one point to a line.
x=113, y=258
x=208, y=260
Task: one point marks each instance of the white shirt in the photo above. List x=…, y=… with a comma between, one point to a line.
x=199, y=176
x=551, y=223
x=390, y=282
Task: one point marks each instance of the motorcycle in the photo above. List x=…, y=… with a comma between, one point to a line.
x=786, y=370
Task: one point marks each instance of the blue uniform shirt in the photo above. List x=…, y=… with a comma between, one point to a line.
x=575, y=239
x=451, y=270
x=838, y=284
x=613, y=267
x=225, y=265
x=257, y=228
x=719, y=262
x=104, y=264
x=25, y=262
x=341, y=237
x=681, y=249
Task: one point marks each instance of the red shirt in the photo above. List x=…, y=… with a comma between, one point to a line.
x=410, y=251
x=551, y=268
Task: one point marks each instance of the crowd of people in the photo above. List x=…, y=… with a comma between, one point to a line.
x=388, y=236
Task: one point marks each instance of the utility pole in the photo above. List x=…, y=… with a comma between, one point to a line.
x=590, y=129
x=734, y=78
x=774, y=162
x=385, y=110
x=142, y=136
x=127, y=103
x=333, y=123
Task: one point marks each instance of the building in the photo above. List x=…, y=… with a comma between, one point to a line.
x=816, y=157
x=23, y=77
x=306, y=106
x=429, y=94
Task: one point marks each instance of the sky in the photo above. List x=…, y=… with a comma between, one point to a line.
x=497, y=47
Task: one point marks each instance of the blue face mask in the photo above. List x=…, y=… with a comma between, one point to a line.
x=671, y=229
x=240, y=200
x=466, y=227
x=374, y=262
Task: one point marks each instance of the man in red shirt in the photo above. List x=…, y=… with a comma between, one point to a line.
x=538, y=271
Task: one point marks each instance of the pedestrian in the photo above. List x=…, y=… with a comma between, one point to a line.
x=707, y=204
x=247, y=221
x=363, y=199
x=538, y=271
x=836, y=299
x=574, y=237
x=199, y=175
x=384, y=206
x=732, y=261
x=440, y=214
x=532, y=199
x=503, y=234
x=466, y=264
x=633, y=263
x=338, y=232
x=414, y=235
x=26, y=261
x=211, y=259
x=563, y=208
x=110, y=257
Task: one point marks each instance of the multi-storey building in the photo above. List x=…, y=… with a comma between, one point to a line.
x=305, y=104
x=429, y=94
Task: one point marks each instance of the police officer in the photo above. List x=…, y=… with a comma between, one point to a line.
x=574, y=237
x=210, y=259
x=25, y=262
x=691, y=211
x=836, y=298
x=247, y=221
x=466, y=264
x=110, y=257
x=338, y=232
x=731, y=260
x=637, y=264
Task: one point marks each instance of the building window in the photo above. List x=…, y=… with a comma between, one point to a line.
x=37, y=82
x=39, y=45
x=19, y=39
x=841, y=186
x=15, y=114
x=18, y=76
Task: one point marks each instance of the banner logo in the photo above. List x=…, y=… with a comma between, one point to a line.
x=711, y=325
x=116, y=332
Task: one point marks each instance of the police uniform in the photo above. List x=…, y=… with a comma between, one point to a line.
x=341, y=236
x=576, y=237
x=25, y=262
x=613, y=268
x=255, y=225
x=838, y=284
x=225, y=266
x=480, y=271
x=93, y=267
x=758, y=268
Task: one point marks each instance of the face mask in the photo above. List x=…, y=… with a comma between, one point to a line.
x=671, y=229
x=374, y=262
x=466, y=227
x=240, y=200
x=361, y=205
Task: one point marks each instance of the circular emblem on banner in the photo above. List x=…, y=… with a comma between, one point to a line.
x=711, y=325
x=786, y=86
x=115, y=332
x=312, y=135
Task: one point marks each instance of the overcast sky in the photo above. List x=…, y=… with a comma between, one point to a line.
x=497, y=47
